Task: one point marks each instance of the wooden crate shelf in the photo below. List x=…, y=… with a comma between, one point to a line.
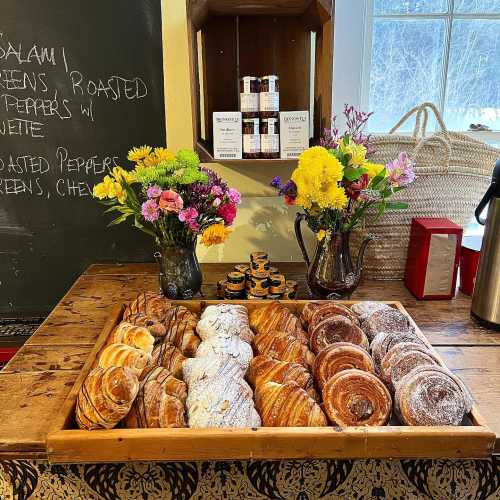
x=230, y=39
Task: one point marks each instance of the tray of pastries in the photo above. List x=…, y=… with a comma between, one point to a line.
x=197, y=380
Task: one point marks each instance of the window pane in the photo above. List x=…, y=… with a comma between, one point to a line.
x=473, y=88
x=411, y=6
x=477, y=6
x=405, y=68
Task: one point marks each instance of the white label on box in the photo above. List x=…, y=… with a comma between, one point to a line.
x=269, y=101
x=294, y=133
x=440, y=264
x=251, y=143
x=270, y=143
x=249, y=103
x=227, y=135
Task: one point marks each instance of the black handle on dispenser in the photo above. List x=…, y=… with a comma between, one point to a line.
x=493, y=190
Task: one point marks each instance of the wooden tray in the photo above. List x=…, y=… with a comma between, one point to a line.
x=67, y=444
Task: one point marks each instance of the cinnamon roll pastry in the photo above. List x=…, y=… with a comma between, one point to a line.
x=386, y=320
x=168, y=356
x=276, y=317
x=150, y=304
x=134, y=336
x=233, y=346
x=431, y=395
x=154, y=325
x=307, y=311
x=124, y=355
x=366, y=308
x=105, y=397
x=284, y=347
x=385, y=341
x=393, y=353
x=225, y=320
x=180, y=324
x=159, y=402
x=265, y=369
x=287, y=405
x=356, y=398
x=331, y=309
x=337, y=357
x=408, y=361
x=333, y=329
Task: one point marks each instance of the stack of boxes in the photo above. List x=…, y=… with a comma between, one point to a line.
x=259, y=280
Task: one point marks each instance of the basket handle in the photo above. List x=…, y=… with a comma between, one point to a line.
x=423, y=109
x=444, y=140
x=413, y=111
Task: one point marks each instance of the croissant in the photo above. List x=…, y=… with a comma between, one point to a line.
x=105, y=397
x=338, y=357
x=216, y=366
x=225, y=320
x=276, y=317
x=233, y=346
x=134, y=336
x=151, y=304
x=284, y=347
x=180, y=324
x=159, y=403
x=330, y=309
x=265, y=369
x=287, y=405
x=124, y=355
x=169, y=357
x=336, y=328
x=354, y=397
x=154, y=325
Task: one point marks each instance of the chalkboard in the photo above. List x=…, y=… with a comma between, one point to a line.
x=80, y=83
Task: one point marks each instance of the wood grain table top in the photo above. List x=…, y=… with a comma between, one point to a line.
x=36, y=381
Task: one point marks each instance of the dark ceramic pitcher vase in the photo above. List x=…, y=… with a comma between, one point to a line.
x=180, y=273
x=332, y=274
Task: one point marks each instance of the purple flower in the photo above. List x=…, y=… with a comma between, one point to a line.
x=401, y=171
x=289, y=189
x=154, y=191
x=216, y=191
x=276, y=182
x=234, y=196
x=150, y=210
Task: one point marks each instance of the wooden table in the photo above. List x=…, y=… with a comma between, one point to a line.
x=35, y=383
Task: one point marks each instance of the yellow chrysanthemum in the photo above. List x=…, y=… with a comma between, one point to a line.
x=320, y=235
x=332, y=196
x=137, y=154
x=214, y=234
x=356, y=152
x=164, y=154
x=373, y=169
x=150, y=160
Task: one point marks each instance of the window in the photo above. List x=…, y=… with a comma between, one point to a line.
x=390, y=55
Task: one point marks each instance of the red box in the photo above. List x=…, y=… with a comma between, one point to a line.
x=433, y=258
x=469, y=261
x=6, y=354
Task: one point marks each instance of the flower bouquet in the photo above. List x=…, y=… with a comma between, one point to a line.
x=335, y=184
x=171, y=198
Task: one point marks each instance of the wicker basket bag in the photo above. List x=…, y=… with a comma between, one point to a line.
x=453, y=172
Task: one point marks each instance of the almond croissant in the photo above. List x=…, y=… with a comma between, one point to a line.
x=287, y=405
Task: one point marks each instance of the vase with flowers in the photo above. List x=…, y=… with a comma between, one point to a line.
x=335, y=185
x=176, y=201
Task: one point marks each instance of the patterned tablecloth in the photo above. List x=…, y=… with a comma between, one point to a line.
x=295, y=479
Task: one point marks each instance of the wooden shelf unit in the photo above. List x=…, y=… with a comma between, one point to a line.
x=230, y=39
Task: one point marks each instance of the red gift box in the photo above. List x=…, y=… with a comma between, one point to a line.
x=433, y=258
x=469, y=262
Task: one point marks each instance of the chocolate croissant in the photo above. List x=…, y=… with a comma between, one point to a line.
x=354, y=397
x=124, y=355
x=265, y=369
x=168, y=356
x=105, y=397
x=284, y=347
x=134, y=336
x=180, y=324
x=159, y=403
x=276, y=317
x=154, y=325
x=150, y=304
x=287, y=405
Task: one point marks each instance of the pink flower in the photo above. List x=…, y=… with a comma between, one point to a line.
x=193, y=226
x=401, y=170
x=227, y=212
x=234, y=196
x=217, y=191
x=170, y=201
x=188, y=214
x=149, y=211
x=153, y=191
x=216, y=202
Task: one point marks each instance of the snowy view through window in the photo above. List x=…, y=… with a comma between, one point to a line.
x=447, y=52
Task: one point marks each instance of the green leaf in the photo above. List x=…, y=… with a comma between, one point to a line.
x=396, y=205
x=346, y=139
x=353, y=174
x=118, y=220
x=114, y=208
x=378, y=179
x=139, y=226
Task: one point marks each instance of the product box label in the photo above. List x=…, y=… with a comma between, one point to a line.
x=269, y=101
x=251, y=143
x=227, y=135
x=249, y=103
x=294, y=133
x=270, y=143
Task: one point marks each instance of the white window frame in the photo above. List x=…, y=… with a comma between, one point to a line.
x=352, y=56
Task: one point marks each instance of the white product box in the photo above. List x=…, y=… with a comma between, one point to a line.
x=294, y=133
x=227, y=135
